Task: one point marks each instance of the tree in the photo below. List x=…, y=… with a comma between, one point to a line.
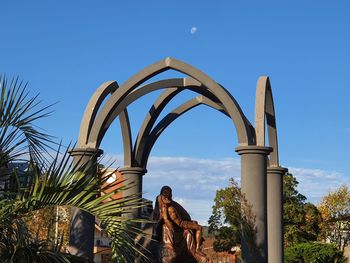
x=313, y=252
x=225, y=222
x=52, y=222
x=300, y=219
x=50, y=181
x=21, y=140
x=335, y=211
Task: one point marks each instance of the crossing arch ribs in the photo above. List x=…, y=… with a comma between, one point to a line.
x=111, y=101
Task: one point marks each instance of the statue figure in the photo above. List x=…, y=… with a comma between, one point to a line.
x=180, y=237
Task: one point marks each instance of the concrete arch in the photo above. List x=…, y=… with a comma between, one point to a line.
x=116, y=103
x=134, y=157
x=150, y=119
x=101, y=93
x=157, y=108
x=131, y=154
x=92, y=108
x=264, y=108
x=152, y=137
x=265, y=112
x=254, y=155
x=90, y=113
x=137, y=93
x=180, y=85
x=126, y=137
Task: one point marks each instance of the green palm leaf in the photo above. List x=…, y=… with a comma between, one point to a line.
x=64, y=184
x=20, y=139
x=51, y=181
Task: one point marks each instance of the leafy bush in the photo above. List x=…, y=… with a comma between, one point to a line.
x=312, y=252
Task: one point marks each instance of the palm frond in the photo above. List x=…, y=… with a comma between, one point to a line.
x=51, y=181
x=63, y=184
x=20, y=138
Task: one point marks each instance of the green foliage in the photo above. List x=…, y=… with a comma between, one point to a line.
x=20, y=138
x=313, y=252
x=50, y=223
x=335, y=210
x=50, y=182
x=300, y=220
x=225, y=221
x=65, y=185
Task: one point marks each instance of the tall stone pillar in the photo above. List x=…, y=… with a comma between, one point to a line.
x=82, y=225
x=275, y=213
x=253, y=185
x=133, y=175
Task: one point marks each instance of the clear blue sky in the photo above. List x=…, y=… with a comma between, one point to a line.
x=66, y=49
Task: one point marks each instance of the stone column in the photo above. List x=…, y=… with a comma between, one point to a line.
x=133, y=175
x=275, y=213
x=82, y=226
x=253, y=185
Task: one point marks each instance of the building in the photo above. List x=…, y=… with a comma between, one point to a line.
x=12, y=175
x=102, y=247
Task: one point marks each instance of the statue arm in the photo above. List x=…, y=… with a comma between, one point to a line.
x=166, y=218
x=184, y=224
x=176, y=219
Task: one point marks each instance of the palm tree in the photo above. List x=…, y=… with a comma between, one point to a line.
x=20, y=139
x=50, y=181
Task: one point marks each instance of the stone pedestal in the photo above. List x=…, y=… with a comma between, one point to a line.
x=253, y=185
x=275, y=213
x=83, y=224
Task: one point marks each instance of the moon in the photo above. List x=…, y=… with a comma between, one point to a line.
x=193, y=30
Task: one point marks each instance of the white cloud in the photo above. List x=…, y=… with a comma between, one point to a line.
x=199, y=210
x=194, y=181
x=315, y=183
x=190, y=176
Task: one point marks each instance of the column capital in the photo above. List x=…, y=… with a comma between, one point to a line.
x=133, y=170
x=277, y=170
x=253, y=149
x=85, y=152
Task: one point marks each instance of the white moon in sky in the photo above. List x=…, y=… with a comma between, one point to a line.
x=193, y=30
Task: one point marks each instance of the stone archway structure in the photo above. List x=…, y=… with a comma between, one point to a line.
x=261, y=173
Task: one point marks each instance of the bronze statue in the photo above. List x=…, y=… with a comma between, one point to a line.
x=180, y=237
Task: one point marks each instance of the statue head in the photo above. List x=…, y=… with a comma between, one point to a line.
x=166, y=194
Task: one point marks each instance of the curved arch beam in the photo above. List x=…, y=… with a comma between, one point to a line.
x=157, y=108
x=186, y=83
x=151, y=118
x=127, y=139
x=91, y=109
x=134, y=95
x=114, y=105
x=172, y=116
x=264, y=108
